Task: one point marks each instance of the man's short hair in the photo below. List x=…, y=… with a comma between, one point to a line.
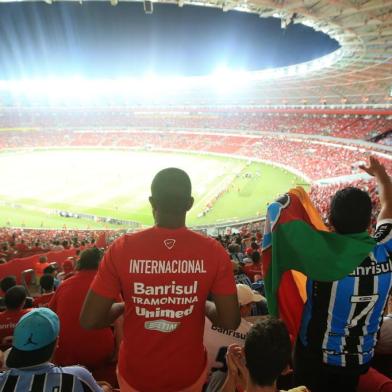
x=50, y=269
x=89, y=259
x=43, y=259
x=7, y=282
x=15, y=297
x=351, y=210
x=267, y=351
x=171, y=190
x=47, y=282
x=256, y=257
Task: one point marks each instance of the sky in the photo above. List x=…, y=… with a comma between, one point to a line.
x=96, y=40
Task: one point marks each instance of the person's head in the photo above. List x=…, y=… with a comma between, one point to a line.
x=68, y=265
x=15, y=298
x=233, y=248
x=171, y=196
x=43, y=259
x=350, y=211
x=47, y=283
x=89, y=259
x=3, y=260
x=35, y=339
x=50, y=270
x=256, y=257
x=267, y=351
x=247, y=297
x=7, y=282
x=254, y=245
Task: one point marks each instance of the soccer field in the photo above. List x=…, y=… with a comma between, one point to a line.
x=116, y=184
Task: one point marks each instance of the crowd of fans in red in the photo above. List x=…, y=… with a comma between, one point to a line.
x=321, y=195
x=310, y=157
x=19, y=243
x=336, y=125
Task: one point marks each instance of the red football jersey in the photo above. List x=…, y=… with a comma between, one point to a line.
x=164, y=276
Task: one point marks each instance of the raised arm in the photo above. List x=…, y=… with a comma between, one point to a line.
x=377, y=170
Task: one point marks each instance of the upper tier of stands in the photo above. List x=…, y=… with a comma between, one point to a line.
x=326, y=123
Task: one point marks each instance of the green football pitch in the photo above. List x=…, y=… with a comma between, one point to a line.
x=116, y=183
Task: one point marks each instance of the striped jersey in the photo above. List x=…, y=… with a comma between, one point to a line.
x=48, y=378
x=343, y=317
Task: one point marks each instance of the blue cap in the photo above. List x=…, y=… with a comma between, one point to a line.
x=34, y=338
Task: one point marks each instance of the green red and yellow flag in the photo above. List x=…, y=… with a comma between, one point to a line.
x=296, y=245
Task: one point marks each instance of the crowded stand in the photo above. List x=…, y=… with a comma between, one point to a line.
x=340, y=124
x=20, y=243
x=102, y=296
x=321, y=195
x=310, y=157
x=387, y=140
x=72, y=273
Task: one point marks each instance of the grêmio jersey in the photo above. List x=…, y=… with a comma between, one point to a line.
x=341, y=319
x=48, y=378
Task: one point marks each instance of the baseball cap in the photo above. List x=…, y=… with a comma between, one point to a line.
x=68, y=266
x=34, y=338
x=249, y=251
x=246, y=295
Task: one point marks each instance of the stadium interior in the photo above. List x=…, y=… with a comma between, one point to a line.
x=319, y=121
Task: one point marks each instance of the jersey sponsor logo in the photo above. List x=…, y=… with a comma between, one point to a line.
x=373, y=269
x=167, y=289
x=162, y=325
x=171, y=294
x=168, y=313
x=169, y=243
x=230, y=332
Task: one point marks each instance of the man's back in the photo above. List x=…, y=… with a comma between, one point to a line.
x=76, y=344
x=165, y=276
x=343, y=317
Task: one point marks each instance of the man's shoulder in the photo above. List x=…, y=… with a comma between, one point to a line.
x=78, y=371
x=54, y=375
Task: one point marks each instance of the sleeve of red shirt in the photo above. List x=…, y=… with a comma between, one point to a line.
x=53, y=302
x=224, y=283
x=107, y=281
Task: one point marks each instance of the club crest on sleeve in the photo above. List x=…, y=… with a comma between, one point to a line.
x=169, y=243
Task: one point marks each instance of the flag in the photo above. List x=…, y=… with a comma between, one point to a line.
x=296, y=245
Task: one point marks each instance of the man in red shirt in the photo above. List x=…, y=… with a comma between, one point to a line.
x=254, y=268
x=164, y=274
x=47, y=291
x=93, y=349
x=40, y=266
x=14, y=300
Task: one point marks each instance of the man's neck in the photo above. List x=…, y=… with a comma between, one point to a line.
x=170, y=221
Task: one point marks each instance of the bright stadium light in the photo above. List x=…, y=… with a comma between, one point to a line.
x=225, y=80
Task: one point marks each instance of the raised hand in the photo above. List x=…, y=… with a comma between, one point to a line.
x=375, y=167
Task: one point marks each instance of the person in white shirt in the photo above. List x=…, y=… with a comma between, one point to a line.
x=216, y=340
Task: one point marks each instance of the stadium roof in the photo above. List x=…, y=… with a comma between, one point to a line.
x=358, y=73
